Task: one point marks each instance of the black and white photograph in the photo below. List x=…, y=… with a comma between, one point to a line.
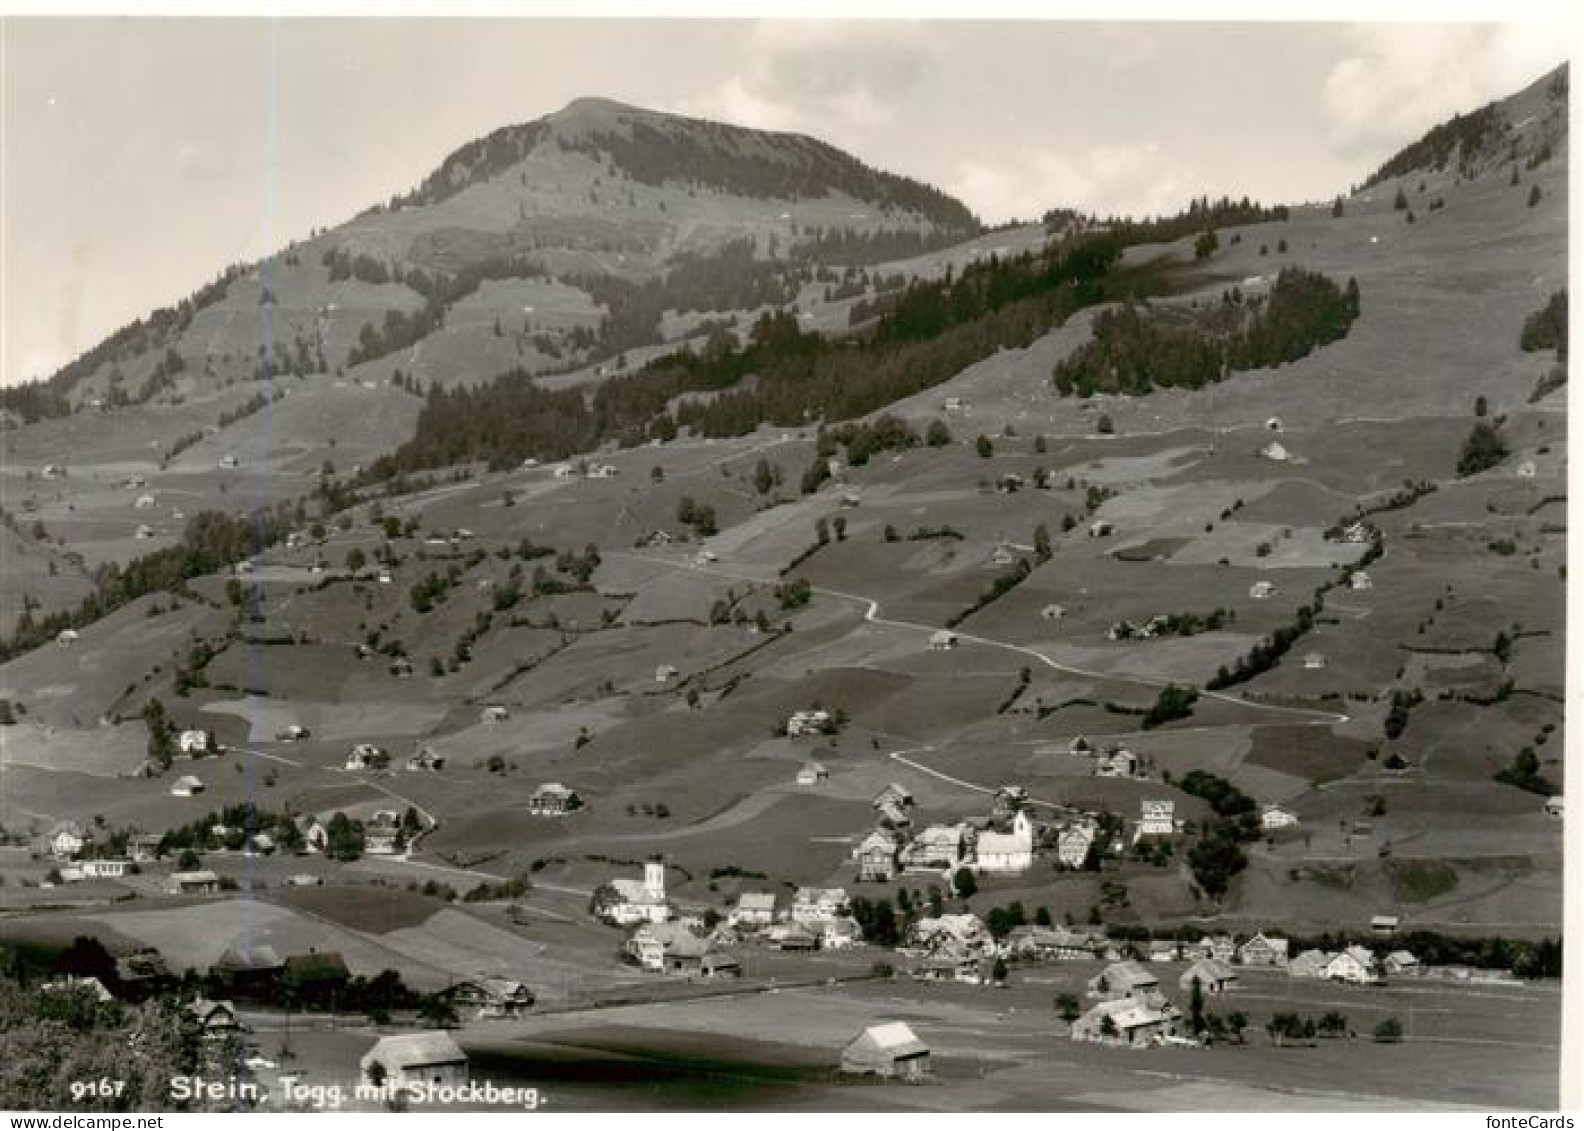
x=887, y=560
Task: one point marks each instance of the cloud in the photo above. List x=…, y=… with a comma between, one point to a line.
x=1399, y=80
x=1137, y=178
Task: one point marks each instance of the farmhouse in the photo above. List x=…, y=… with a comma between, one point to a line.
x=1314, y=661
x=552, y=799
x=382, y=836
x=1116, y=762
x=216, y=1020
x=66, y=840
x=186, y=786
x=1263, y=950
x=1261, y=590
x=792, y=936
x=939, y=848
x=1073, y=844
x=405, y=1060
x=815, y=721
x=665, y=673
x=202, y=882
x=494, y=713
x=1400, y=962
x=427, y=758
x=1385, y=924
x=488, y=997
x=1156, y=818
x=631, y=901
x=1553, y=806
x=894, y=794
x=1053, y=612
x=1124, y=1021
x=1163, y=950
x=1274, y=424
x=950, y=965
x=1274, y=818
x=1100, y=528
x=145, y=532
x=366, y=756
x=1123, y=980
x=755, y=909
x=294, y=733
x=315, y=835
x=817, y=906
x=1058, y=943
x=247, y=970
x=1007, y=852
x=193, y=742
x=667, y=947
x=144, y=502
x=841, y=932
x=890, y=1050
x=952, y=935
x=66, y=637
x=1275, y=452
x=1355, y=964
x=1001, y=557
x=1358, y=534
x=812, y=774
x=109, y=868
x=1360, y=580
x=1310, y=964
x=942, y=639
x=142, y=973
x=143, y=848
x=877, y=857
x=1213, y=977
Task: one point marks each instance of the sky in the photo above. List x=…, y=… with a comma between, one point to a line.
x=142, y=156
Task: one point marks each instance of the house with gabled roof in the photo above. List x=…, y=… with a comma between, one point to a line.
x=817, y=906
x=1213, y=977
x=1355, y=964
x=755, y=910
x=1123, y=979
x=1311, y=963
x=1129, y=1022
x=890, y=1050
x=876, y=855
x=488, y=997
x=406, y=1060
x=1263, y=950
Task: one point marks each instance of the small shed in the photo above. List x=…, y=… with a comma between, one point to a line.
x=890, y=1050
x=429, y=1058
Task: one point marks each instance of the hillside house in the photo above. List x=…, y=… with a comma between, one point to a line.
x=1157, y=817
x=1007, y=801
x=67, y=840
x=1124, y=980
x=816, y=721
x=143, y=848
x=665, y=673
x=201, y=882
x=630, y=902
x=408, y=1060
x=1008, y=853
x=195, y=743
x=1261, y=590
x=70, y=983
x=487, y=997
x=877, y=857
x=1275, y=452
x=817, y=906
x=939, y=848
x=1213, y=977
x=229, y=462
x=942, y=640
x=66, y=637
x=314, y=833
x=1358, y=534
x=247, y=970
x=895, y=794
x=1002, y=556
x=1274, y=424
x=144, y=502
x=140, y=974
x=1314, y=662
x=1127, y=1022
x=1052, y=612
x=296, y=732
x=1384, y=925
x=552, y=799
x=145, y=532
x=719, y=964
x=812, y=774
x=1073, y=844
x=216, y=1020
x=320, y=976
x=1355, y=964
x=1263, y=950
x=562, y=471
x=755, y=910
x=840, y=933
x=1100, y=528
x=1059, y=944
x=493, y=714
x=186, y=786
x=951, y=965
x=1310, y=964
x=426, y=760
x=1360, y=580
x=1117, y=762
x=1400, y=962
x=366, y=756
x=1273, y=818
x=1553, y=806
x=890, y=1050
x=894, y=815
x=669, y=948
x=106, y=868
x=383, y=836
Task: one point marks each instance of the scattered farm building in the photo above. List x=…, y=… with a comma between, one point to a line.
x=890, y=1050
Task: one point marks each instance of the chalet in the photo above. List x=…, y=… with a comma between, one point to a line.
x=202, y=882
x=67, y=840
x=318, y=976
x=792, y=936
x=1080, y=747
x=1553, y=806
x=1263, y=950
x=562, y=471
x=1314, y=662
x=486, y=998
x=1007, y=801
x=1310, y=964
x=1355, y=964
x=754, y=910
x=602, y=471
x=893, y=793
x=1156, y=818
x=812, y=774
x=494, y=713
x=939, y=848
x=73, y=984
x=1213, y=977
x=890, y=1050
x=1011, y=852
x=817, y=906
x=1117, y=762
x=877, y=857
x=144, y=848
x=665, y=673
x=962, y=934
x=942, y=639
x=1260, y=590
x=1073, y=844
x=633, y=901
x=186, y=786
x=1100, y=528
x=1057, y=943
x=1275, y=452
x=552, y=799
x=366, y=756
x=193, y=742
x=1128, y=1022
x=1123, y=979
x=1274, y=818
x=815, y=721
x=66, y=637
x=216, y=1020
x=248, y=970
x=1400, y=962
x=384, y=578
x=894, y=815
x=427, y=758
x=1360, y=580
x=953, y=404
x=408, y=1060
x=108, y=868
x=667, y=947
